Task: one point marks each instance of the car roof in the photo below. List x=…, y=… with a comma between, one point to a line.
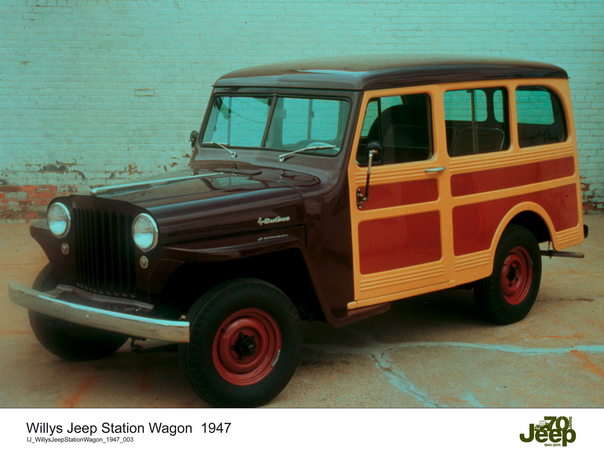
x=371, y=72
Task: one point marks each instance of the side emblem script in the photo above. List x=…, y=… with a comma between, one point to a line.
x=268, y=220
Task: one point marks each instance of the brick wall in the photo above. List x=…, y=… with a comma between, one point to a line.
x=95, y=91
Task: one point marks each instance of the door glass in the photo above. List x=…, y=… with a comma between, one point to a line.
x=402, y=124
x=476, y=121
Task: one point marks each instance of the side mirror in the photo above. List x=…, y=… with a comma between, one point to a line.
x=375, y=150
x=193, y=137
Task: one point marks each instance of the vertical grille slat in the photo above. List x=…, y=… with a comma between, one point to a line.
x=131, y=259
x=104, y=252
x=98, y=245
x=120, y=251
x=90, y=262
x=114, y=253
x=79, y=244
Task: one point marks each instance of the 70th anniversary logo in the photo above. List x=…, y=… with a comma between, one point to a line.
x=552, y=431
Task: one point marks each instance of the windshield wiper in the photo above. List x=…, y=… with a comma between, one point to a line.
x=232, y=152
x=284, y=156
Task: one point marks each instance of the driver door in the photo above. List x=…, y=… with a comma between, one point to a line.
x=401, y=233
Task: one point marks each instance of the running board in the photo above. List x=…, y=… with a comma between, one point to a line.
x=552, y=253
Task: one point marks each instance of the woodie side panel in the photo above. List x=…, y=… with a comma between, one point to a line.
x=510, y=177
x=397, y=242
x=475, y=225
x=401, y=194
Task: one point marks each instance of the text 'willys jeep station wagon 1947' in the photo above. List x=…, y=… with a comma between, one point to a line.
x=317, y=190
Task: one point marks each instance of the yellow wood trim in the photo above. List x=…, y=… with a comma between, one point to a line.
x=472, y=260
x=388, y=174
x=395, y=211
x=453, y=270
x=396, y=296
x=497, y=160
x=512, y=192
x=380, y=284
x=568, y=238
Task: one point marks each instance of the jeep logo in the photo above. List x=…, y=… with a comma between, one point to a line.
x=553, y=430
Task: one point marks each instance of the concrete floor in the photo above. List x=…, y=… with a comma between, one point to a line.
x=428, y=351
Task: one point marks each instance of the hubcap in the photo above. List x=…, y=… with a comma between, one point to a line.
x=246, y=346
x=516, y=276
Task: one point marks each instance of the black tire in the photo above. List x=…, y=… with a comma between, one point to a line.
x=510, y=292
x=68, y=340
x=245, y=343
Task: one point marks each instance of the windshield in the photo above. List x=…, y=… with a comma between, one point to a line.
x=311, y=125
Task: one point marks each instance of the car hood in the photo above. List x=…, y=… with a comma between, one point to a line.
x=213, y=201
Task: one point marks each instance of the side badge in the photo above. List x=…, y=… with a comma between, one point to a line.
x=268, y=220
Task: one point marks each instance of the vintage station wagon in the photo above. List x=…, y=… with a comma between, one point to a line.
x=317, y=190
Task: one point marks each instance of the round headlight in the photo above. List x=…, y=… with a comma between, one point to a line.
x=145, y=232
x=59, y=220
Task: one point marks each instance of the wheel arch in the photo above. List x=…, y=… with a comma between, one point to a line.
x=532, y=217
x=285, y=269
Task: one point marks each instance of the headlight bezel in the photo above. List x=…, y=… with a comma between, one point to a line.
x=67, y=215
x=153, y=228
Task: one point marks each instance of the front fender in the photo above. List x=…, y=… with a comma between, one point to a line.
x=236, y=247
x=172, y=257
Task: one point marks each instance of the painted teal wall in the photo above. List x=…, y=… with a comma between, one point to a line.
x=95, y=91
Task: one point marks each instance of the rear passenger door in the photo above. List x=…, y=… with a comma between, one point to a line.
x=479, y=146
x=400, y=231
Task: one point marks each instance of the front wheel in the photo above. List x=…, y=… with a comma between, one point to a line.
x=509, y=293
x=67, y=340
x=245, y=341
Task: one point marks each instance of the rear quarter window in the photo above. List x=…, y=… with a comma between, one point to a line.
x=540, y=117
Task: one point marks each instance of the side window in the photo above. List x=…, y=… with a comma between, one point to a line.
x=458, y=105
x=540, y=117
x=402, y=124
x=476, y=121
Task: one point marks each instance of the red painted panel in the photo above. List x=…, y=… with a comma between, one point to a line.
x=509, y=177
x=395, y=242
x=402, y=193
x=474, y=226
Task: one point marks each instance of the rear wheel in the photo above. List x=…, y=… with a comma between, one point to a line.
x=245, y=340
x=509, y=293
x=68, y=340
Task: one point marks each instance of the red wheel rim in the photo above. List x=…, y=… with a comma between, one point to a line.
x=516, y=276
x=246, y=346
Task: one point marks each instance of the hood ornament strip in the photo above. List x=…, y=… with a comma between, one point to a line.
x=104, y=189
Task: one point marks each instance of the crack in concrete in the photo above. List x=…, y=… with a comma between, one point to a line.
x=383, y=348
x=473, y=401
x=510, y=348
x=378, y=353
x=400, y=381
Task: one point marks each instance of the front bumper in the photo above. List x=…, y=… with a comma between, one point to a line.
x=128, y=324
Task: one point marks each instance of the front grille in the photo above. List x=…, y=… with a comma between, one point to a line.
x=105, y=252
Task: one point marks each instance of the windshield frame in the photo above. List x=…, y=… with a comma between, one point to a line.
x=275, y=95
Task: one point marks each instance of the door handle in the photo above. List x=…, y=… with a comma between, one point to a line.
x=435, y=170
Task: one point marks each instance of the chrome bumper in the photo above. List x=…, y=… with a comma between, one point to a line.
x=128, y=324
